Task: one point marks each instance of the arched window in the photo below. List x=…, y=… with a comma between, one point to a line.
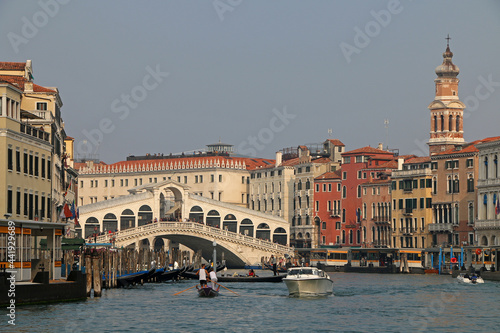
x=450, y=122
x=308, y=184
x=145, y=215
x=486, y=167
x=196, y=214
x=110, y=222
x=364, y=210
x=471, y=213
x=308, y=220
x=350, y=236
x=91, y=226
x=442, y=123
x=279, y=236
x=299, y=220
x=470, y=183
x=230, y=223
x=343, y=236
x=343, y=215
x=344, y=192
x=213, y=219
x=246, y=227
x=358, y=236
x=263, y=231
x=457, y=124
x=495, y=161
x=127, y=219
x=359, y=191
x=435, y=124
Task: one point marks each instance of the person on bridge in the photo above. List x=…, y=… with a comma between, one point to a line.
x=202, y=276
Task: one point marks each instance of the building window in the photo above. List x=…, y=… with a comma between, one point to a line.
x=317, y=206
x=220, y=178
x=317, y=187
x=36, y=166
x=9, y=201
x=31, y=164
x=347, y=160
x=470, y=163
x=359, y=174
x=359, y=191
x=329, y=187
x=41, y=106
x=359, y=159
x=49, y=175
x=470, y=183
x=185, y=179
x=106, y=183
x=344, y=175
x=344, y=192
x=18, y=202
x=324, y=187
x=10, y=162
x=18, y=161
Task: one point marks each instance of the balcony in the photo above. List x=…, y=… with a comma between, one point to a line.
x=408, y=211
x=440, y=227
x=381, y=219
x=487, y=224
x=30, y=130
x=407, y=190
x=411, y=173
x=407, y=231
x=488, y=182
x=335, y=213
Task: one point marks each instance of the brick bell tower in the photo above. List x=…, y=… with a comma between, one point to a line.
x=446, y=110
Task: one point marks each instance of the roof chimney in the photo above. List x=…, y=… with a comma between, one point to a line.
x=380, y=146
x=400, y=163
x=279, y=158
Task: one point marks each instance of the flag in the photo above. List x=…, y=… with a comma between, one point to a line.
x=73, y=212
x=77, y=217
x=67, y=211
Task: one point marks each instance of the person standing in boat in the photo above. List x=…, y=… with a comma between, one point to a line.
x=213, y=278
x=273, y=262
x=202, y=275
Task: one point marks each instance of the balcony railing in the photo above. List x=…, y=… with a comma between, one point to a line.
x=408, y=211
x=381, y=219
x=487, y=224
x=440, y=227
x=42, y=135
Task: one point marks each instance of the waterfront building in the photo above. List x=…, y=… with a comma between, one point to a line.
x=40, y=108
x=26, y=186
x=454, y=177
x=412, y=189
x=310, y=163
x=376, y=210
x=285, y=189
x=327, y=189
x=487, y=225
x=358, y=167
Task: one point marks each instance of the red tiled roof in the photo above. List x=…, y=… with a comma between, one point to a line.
x=329, y=175
x=418, y=160
x=303, y=147
x=367, y=150
x=336, y=142
x=19, y=81
x=321, y=160
x=12, y=65
x=250, y=163
x=468, y=148
x=291, y=162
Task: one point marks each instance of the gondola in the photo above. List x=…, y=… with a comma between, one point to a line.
x=207, y=291
x=171, y=275
x=278, y=269
x=133, y=278
x=275, y=278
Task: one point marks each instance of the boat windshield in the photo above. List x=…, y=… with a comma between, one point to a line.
x=303, y=271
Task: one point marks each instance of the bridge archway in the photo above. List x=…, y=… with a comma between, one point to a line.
x=263, y=231
x=127, y=219
x=145, y=215
x=213, y=219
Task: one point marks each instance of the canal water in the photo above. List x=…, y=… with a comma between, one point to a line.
x=361, y=303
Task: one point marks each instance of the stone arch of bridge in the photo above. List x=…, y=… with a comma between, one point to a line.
x=233, y=255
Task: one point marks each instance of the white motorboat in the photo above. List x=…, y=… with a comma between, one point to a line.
x=470, y=278
x=308, y=281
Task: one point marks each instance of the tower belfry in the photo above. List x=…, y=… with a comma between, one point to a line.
x=446, y=109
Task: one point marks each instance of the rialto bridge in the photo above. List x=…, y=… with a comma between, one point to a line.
x=167, y=210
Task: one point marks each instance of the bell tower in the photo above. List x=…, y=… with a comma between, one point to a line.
x=446, y=110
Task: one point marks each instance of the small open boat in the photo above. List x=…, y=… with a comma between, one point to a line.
x=207, y=291
x=470, y=278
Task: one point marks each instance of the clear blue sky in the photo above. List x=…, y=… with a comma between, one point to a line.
x=261, y=75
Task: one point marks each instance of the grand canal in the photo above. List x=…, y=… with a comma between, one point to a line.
x=361, y=303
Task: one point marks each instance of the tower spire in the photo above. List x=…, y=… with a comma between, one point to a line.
x=446, y=109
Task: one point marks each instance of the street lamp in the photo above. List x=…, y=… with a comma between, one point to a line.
x=215, y=256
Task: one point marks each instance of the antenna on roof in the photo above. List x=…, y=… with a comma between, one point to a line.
x=330, y=132
x=386, y=123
